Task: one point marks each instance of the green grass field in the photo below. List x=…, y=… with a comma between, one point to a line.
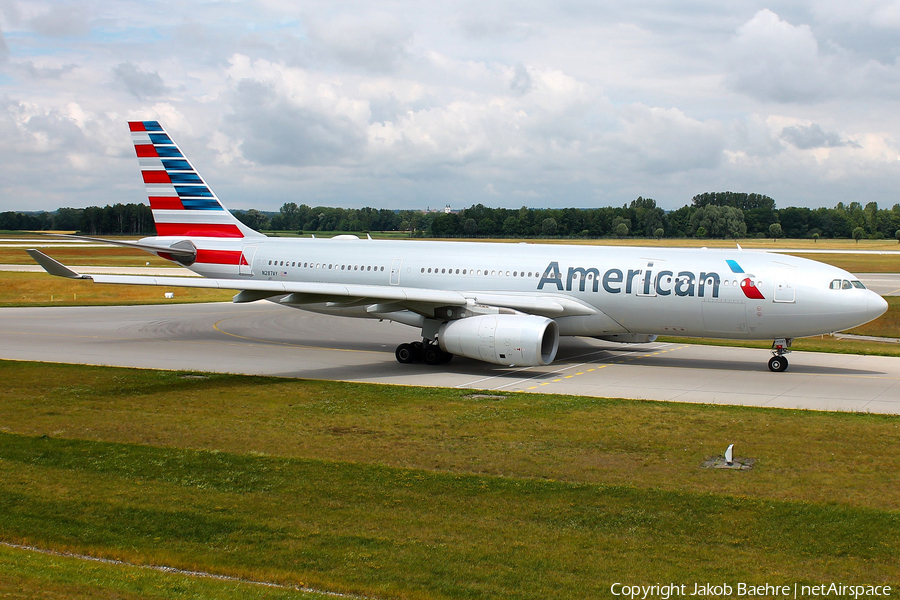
x=41, y=289
x=27, y=574
x=73, y=255
x=403, y=492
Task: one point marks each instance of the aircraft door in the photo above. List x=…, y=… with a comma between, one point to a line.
x=395, y=271
x=247, y=256
x=784, y=285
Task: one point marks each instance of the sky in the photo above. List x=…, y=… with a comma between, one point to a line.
x=411, y=105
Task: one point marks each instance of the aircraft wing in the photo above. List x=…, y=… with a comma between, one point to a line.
x=312, y=292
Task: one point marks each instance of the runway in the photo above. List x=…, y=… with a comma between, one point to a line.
x=265, y=339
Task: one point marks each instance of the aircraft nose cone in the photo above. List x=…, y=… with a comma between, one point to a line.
x=876, y=306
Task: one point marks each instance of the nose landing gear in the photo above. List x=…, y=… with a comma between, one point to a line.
x=778, y=362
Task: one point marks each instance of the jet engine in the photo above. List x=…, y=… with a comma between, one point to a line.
x=520, y=340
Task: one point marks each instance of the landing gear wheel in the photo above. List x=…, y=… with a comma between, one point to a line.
x=433, y=355
x=777, y=364
x=406, y=352
x=418, y=351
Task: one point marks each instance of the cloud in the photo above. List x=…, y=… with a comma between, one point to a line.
x=521, y=82
x=666, y=140
x=276, y=131
x=10, y=10
x=376, y=42
x=141, y=84
x=36, y=72
x=773, y=60
x=61, y=21
x=4, y=49
x=379, y=104
x=807, y=137
x=491, y=22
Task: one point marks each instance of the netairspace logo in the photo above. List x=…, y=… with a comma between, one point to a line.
x=665, y=591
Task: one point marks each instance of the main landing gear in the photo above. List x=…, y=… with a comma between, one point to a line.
x=426, y=352
x=778, y=362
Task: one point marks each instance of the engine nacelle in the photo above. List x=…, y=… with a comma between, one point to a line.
x=520, y=340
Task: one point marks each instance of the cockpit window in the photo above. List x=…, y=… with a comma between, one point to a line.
x=843, y=284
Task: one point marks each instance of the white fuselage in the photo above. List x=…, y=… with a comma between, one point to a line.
x=656, y=291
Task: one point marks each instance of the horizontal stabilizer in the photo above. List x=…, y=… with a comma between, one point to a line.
x=185, y=252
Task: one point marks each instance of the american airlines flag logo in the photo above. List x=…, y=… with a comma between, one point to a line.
x=747, y=286
x=182, y=203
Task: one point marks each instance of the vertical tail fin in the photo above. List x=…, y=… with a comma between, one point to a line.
x=181, y=202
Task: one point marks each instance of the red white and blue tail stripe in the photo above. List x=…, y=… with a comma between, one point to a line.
x=182, y=203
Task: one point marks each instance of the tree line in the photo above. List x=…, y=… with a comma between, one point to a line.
x=709, y=215
x=116, y=219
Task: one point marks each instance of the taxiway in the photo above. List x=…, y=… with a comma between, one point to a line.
x=265, y=339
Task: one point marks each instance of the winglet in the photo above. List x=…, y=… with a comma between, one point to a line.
x=54, y=267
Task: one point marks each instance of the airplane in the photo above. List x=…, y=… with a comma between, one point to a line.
x=502, y=303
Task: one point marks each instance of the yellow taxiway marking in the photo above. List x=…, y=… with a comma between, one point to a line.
x=603, y=366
